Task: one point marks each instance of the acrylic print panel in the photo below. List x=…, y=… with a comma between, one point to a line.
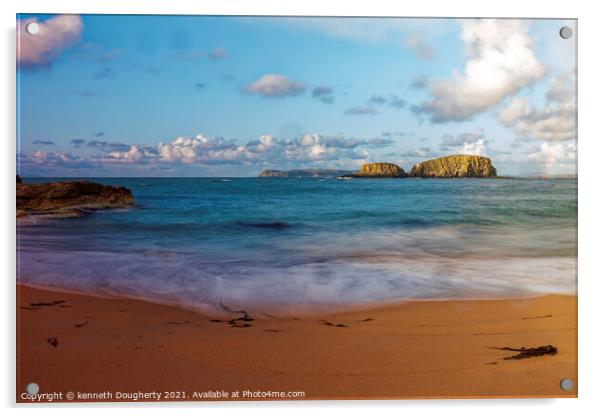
x=286, y=208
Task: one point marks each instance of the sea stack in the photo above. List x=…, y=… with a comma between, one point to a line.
x=455, y=166
x=69, y=199
x=381, y=170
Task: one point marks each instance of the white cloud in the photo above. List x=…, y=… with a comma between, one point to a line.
x=54, y=35
x=554, y=122
x=476, y=148
x=554, y=153
x=275, y=86
x=134, y=154
x=518, y=107
x=499, y=62
x=308, y=148
x=200, y=149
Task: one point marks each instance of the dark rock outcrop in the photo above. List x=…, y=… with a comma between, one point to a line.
x=303, y=173
x=456, y=166
x=69, y=199
x=378, y=170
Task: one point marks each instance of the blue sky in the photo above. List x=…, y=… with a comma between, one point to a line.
x=230, y=96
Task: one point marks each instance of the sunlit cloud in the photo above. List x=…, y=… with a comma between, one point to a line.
x=500, y=61
x=53, y=37
x=275, y=86
x=556, y=121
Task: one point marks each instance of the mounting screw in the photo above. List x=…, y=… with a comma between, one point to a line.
x=32, y=388
x=32, y=28
x=566, y=384
x=566, y=32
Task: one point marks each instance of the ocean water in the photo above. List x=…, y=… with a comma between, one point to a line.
x=288, y=244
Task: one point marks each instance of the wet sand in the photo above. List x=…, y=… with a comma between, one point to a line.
x=424, y=349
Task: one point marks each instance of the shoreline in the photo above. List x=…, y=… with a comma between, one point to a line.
x=413, y=349
x=319, y=309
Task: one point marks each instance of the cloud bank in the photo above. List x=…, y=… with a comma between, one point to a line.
x=308, y=149
x=550, y=154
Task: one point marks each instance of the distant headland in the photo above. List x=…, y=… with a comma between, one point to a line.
x=303, y=173
x=453, y=166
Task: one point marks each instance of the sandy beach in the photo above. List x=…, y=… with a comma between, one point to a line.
x=423, y=349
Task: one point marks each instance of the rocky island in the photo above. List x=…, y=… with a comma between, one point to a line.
x=69, y=199
x=378, y=170
x=455, y=166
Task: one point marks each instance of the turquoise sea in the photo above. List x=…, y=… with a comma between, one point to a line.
x=312, y=243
